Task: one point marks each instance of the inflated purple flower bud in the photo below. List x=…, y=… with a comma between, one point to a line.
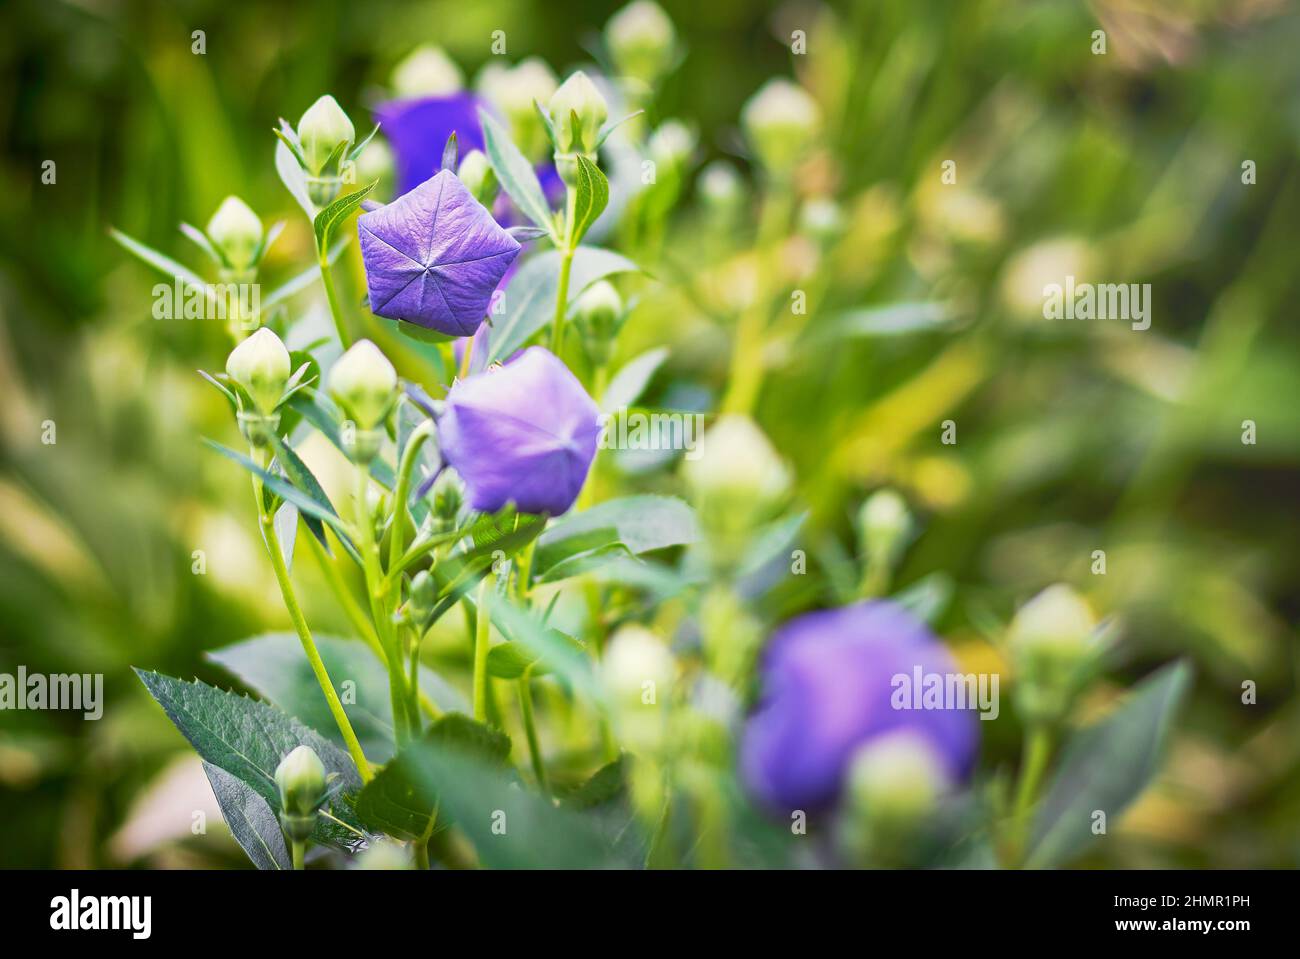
x=829, y=689
x=434, y=256
x=525, y=433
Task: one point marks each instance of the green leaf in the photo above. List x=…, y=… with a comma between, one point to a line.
x=480, y=798
x=307, y=505
x=247, y=739
x=357, y=150
x=563, y=655
x=328, y=219
x=292, y=175
x=515, y=173
x=927, y=598
x=252, y=822
x=160, y=262
x=592, y=196
x=308, y=403
x=530, y=298
x=639, y=524
x=1106, y=766
x=512, y=660
x=301, y=477
x=606, y=784
x=627, y=385
x=895, y=319
x=401, y=800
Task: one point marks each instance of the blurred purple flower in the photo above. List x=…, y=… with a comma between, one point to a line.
x=827, y=683
x=525, y=433
x=434, y=256
x=418, y=130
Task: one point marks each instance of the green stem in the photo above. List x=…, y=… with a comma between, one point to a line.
x=1038, y=750
x=309, y=646
x=746, y=376
x=566, y=263
x=413, y=714
x=299, y=850
x=421, y=854
x=327, y=280
x=482, y=629
x=377, y=587
x=530, y=730
x=402, y=491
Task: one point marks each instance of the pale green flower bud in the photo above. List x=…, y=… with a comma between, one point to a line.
x=363, y=383
x=376, y=163
x=260, y=364
x=237, y=233
x=577, y=96
x=672, y=144
x=599, y=313
x=637, y=670
x=384, y=854
x=642, y=41
x=883, y=524
x=301, y=778
x=320, y=131
x=513, y=90
x=735, y=480
x=780, y=121
x=426, y=72
x=895, y=780
x=822, y=219
x=424, y=593
x=1053, y=640
x=721, y=187
x=477, y=175
x=448, y=497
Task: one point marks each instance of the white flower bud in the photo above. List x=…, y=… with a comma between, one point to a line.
x=260, y=364
x=736, y=476
x=671, y=144
x=598, y=312
x=363, y=382
x=426, y=72
x=720, y=185
x=376, y=163
x=512, y=90
x=883, y=522
x=641, y=39
x=577, y=95
x=477, y=175
x=896, y=778
x=780, y=121
x=236, y=231
x=821, y=218
x=322, y=128
x=635, y=656
x=301, y=778
x=1053, y=641
x=1058, y=620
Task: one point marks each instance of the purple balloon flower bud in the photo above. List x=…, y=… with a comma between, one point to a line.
x=525, y=433
x=828, y=688
x=433, y=257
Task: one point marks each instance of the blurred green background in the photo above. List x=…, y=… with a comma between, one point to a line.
x=926, y=306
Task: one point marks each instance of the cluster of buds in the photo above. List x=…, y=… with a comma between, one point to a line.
x=364, y=385
x=1055, y=644
x=258, y=382
x=302, y=783
x=325, y=145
